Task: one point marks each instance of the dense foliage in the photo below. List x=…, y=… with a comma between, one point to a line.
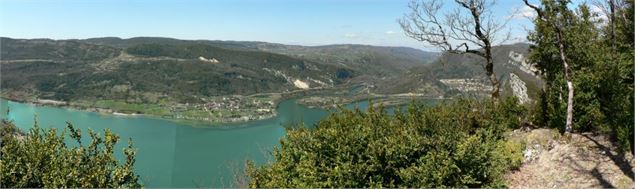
x=46, y=49
x=601, y=54
x=41, y=158
x=455, y=144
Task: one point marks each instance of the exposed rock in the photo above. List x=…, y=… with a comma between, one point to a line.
x=532, y=153
x=212, y=60
x=585, y=160
x=519, y=88
x=300, y=84
x=520, y=61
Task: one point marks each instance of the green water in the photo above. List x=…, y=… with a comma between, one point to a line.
x=173, y=155
x=170, y=154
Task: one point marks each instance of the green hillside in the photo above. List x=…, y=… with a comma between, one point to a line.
x=189, y=79
x=464, y=66
x=46, y=49
x=68, y=70
x=376, y=61
x=366, y=59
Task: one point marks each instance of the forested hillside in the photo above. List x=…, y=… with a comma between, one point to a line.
x=563, y=117
x=65, y=70
x=582, y=66
x=509, y=59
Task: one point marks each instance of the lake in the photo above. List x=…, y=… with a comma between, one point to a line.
x=171, y=154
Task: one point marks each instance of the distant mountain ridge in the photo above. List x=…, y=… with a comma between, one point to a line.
x=375, y=59
x=145, y=69
x=176, y=69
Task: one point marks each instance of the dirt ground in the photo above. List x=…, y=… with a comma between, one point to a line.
x=583, y=161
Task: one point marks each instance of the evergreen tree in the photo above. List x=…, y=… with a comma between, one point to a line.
x=599, y=55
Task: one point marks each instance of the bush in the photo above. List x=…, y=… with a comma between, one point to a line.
x=41, y=159
x=455, y=144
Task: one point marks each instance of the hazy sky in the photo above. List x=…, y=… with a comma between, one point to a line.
x=304, y=22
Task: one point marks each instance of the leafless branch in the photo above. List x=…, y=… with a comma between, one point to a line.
x=536, y=8
x=472, y=23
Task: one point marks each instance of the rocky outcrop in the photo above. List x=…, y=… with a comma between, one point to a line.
x=519, y=60
x=519, y=88
x=300, y=84
x=212, y=60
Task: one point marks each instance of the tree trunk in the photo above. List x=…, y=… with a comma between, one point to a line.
x=569, y=126
x=489, y=70
x=567, y=76
x=492, y=78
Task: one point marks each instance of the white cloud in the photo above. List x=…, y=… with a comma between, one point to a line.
x=351, y=35
x=601, y=14
x=522, y=13
x=390, y=32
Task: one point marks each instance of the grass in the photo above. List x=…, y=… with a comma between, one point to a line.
x=181, y=112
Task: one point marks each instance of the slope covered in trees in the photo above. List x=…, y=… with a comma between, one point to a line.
x=586, y=64
x=73, y=70
x=590, y=64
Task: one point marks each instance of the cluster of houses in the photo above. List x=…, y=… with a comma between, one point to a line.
x=235, y=103
x=467, y=84
x=227, y=109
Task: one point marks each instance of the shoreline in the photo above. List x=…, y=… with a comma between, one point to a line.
x=387, y=101
x=243, y=115
x=115, y=113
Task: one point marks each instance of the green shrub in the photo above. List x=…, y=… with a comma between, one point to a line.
x=41, y=158
x=455, y=144
x=600, y=57
x=511, y=153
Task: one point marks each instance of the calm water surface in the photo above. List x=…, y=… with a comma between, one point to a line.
x=171, y=154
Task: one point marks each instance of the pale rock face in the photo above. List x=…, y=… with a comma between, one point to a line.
x=519, y=88
x=300, y=84
x=212, y=60
x=319, y=82
x=520, y=61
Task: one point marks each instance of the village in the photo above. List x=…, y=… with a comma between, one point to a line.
x=234, y=108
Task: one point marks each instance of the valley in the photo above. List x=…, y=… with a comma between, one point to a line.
x=230, y=81
x=317, y=94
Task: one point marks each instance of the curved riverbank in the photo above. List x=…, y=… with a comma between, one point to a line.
x=172, y=154
x=211, y=113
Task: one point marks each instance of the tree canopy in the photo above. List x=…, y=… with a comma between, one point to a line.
x=458, y=144
x=42, y=159
x=601, y=56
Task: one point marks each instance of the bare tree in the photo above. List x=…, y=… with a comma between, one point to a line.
x=471, y=24
x=556, y=26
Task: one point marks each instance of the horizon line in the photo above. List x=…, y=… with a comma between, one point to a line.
x=254, y=41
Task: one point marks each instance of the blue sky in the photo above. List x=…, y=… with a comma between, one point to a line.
x=303, y=22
